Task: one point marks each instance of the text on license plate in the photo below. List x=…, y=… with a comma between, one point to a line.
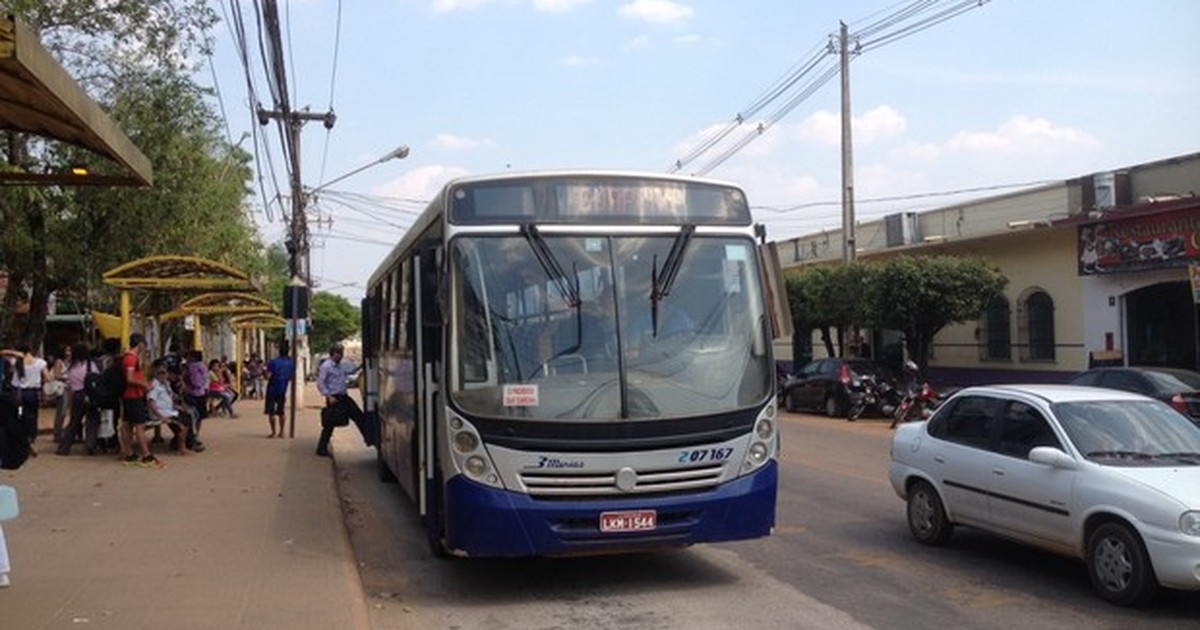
x=631, y=521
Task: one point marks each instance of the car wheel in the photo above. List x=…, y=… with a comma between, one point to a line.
x=832, y=408
x=926, y=517
x=1119, y=567
x=789, y=401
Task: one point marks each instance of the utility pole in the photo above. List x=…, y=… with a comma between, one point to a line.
x=849, y=246
x=297, y=244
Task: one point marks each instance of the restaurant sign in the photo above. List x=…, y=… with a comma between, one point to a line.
x=1169, y=239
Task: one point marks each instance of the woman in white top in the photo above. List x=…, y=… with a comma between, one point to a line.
x=31, y=371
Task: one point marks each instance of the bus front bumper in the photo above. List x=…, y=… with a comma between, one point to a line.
x=486, y=522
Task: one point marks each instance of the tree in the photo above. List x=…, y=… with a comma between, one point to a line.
x=133, y=57
x=920, y=296
x=333, y=319
x=830, y=298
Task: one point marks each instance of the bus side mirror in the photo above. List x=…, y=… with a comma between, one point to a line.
x=776, y=291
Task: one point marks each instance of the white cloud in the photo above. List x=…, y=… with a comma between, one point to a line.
x=421, y=183
x=575, y=61
x=1020, y=135
x=825, y=127
x=637, y=43
x=451, y=142
x=656, y=11
x=447, y=6
x=558, y=6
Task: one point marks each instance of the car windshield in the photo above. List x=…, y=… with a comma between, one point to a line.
x=1174, y=381
x=1130, y=432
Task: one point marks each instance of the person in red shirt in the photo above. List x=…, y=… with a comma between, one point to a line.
x=133, y=407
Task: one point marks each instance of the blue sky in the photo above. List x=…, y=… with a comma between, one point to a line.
x=1010, y=92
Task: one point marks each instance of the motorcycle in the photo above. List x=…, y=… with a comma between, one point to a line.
x=918, y=403
x=918, y=400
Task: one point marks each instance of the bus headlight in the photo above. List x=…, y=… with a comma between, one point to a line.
x=758, y=453
x=475, y=466
x=469, y=454
x=465, y=442
x=765, y=429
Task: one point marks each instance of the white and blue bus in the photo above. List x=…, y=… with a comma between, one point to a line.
x=578, y=362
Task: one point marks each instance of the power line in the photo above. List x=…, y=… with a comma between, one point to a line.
x=909, y=19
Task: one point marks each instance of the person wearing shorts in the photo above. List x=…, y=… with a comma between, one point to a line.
x=279, y=375
x=133, y=406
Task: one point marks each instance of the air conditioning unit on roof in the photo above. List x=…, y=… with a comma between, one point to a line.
x=901, y=229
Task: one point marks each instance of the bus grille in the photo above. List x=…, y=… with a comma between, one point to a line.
x=566, y=485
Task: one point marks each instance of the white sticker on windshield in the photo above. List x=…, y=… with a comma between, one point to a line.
x=733, y=276
x=520, y=395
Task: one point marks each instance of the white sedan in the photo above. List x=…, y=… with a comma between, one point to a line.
x=1109, y=477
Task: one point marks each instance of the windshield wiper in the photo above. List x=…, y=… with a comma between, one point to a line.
x=569, y=292
x=1129, y=454
x=661, y=281
x=1188, y=456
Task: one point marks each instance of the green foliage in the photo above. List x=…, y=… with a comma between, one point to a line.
x=333, y=319
x=830, y=297
x=918, y=296
x=134, y=57
x=921, y=295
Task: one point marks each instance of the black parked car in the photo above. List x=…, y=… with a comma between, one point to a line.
x=827, y=385
x=1176, y=387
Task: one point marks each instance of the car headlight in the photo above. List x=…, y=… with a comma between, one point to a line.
x=1189, y=523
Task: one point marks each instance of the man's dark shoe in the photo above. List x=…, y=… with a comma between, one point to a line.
x=322, y=452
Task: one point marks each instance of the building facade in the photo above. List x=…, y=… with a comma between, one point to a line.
x=1102, y=269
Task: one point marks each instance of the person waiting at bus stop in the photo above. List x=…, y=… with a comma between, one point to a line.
x=331, y=382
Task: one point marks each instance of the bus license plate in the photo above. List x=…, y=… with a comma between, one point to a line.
x=632, y=521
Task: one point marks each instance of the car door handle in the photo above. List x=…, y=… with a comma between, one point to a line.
x=999, y=472
x=939, y=459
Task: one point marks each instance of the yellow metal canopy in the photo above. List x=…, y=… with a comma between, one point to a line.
x=37, y=96
x=226, y=304
x=174, y=273
x=259, y=320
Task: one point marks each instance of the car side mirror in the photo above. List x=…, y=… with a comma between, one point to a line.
x=1053, y=457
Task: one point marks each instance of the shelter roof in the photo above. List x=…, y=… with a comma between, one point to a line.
x=259, y=320
x=37, y=96
x=227, y=303
x=175, y=273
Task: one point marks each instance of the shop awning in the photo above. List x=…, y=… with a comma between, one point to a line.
x=38, y=97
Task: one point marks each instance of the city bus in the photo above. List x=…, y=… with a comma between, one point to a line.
x=577, y=362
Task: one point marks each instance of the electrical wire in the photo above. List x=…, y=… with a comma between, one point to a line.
x=907, y=20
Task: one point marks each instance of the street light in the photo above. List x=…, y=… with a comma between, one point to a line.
x=399, y=153
x=301, y=280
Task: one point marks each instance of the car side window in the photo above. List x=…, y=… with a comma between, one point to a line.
x=1122, y=380
x=828, y=368
x=1091, y=379
x=1022, y=428
x=812, y=369
x=969, y=422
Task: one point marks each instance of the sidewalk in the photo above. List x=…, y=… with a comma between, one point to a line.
x=248, y=534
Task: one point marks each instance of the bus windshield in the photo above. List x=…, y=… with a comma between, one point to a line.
x=590, y=327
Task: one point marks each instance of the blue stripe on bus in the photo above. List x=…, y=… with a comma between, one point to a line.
x=486, y=522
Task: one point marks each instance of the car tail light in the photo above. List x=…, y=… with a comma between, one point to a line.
x=1179, y=404
x=844, y=375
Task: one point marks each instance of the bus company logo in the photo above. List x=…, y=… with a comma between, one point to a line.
x=556, y=463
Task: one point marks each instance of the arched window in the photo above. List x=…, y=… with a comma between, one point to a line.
x=1036, y=313
x=996, y=336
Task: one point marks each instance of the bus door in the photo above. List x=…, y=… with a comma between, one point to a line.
x=427, y=362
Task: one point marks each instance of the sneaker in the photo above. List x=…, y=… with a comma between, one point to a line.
x=4, y=583
x=130, y=460
x=150, y=461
